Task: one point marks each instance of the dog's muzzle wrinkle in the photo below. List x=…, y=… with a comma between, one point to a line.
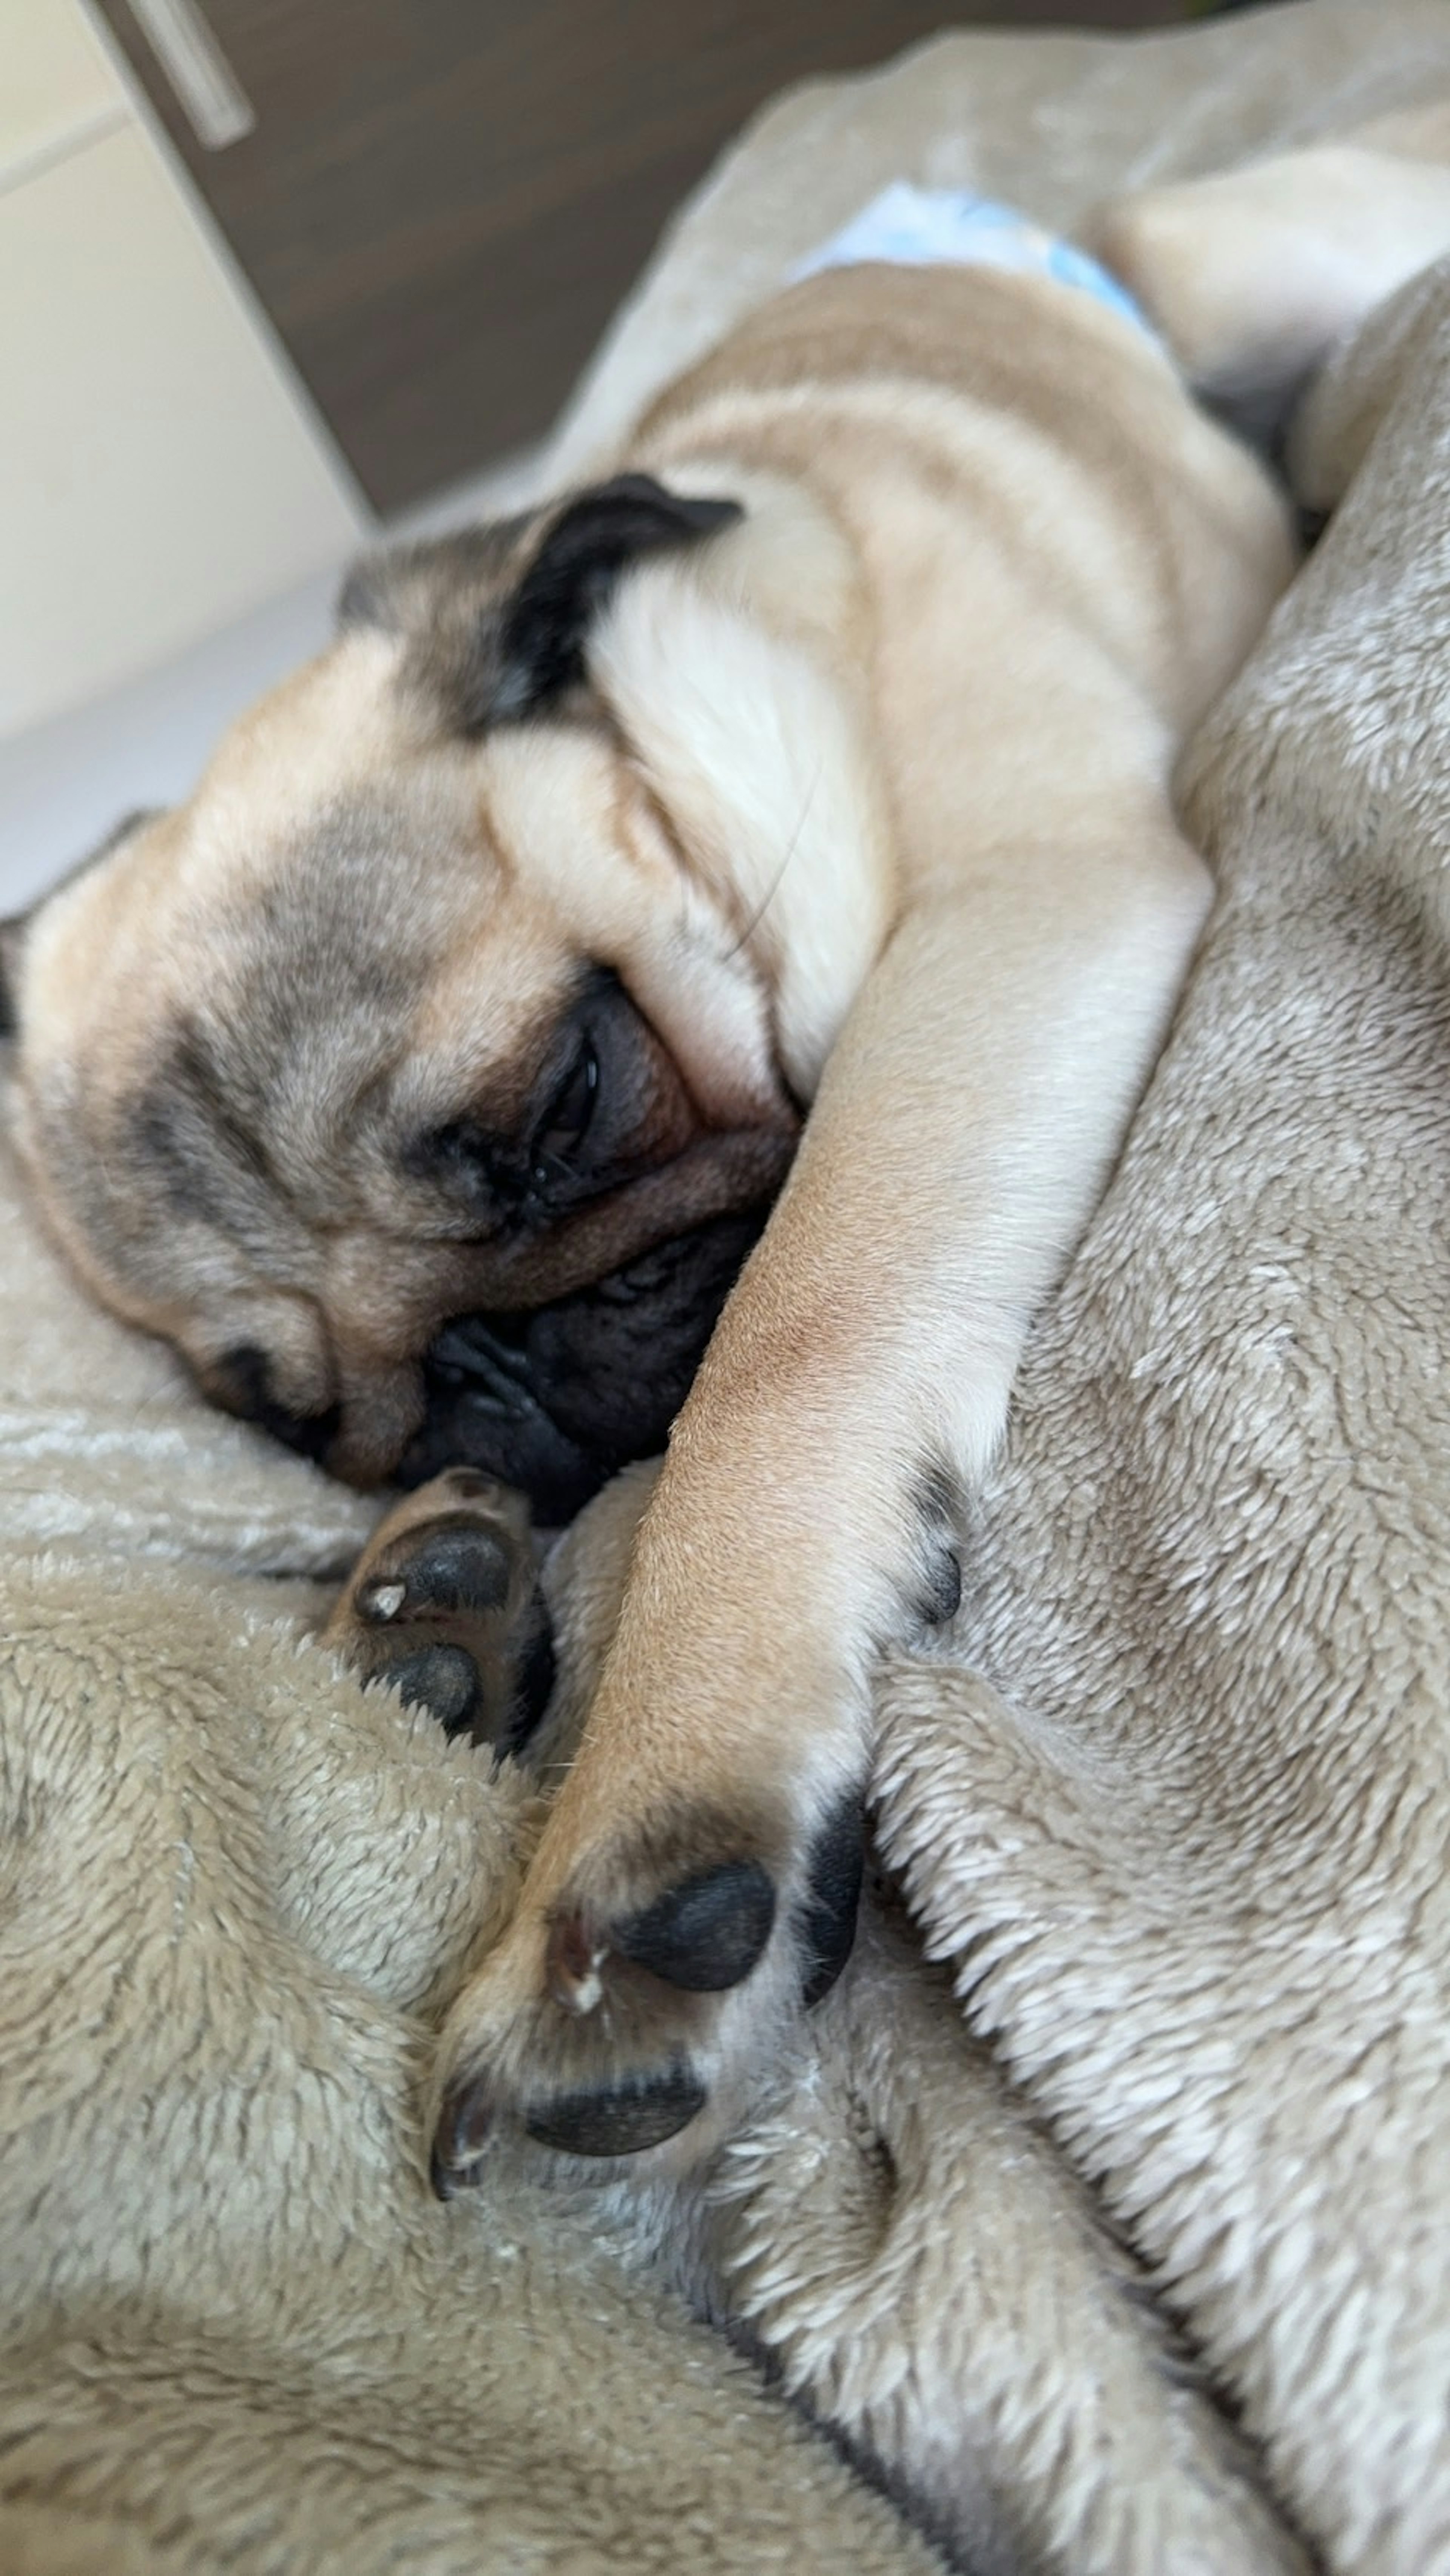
x=557, y=1400
x=483, y=1410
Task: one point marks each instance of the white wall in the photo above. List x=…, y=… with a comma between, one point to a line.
x=161, y=473
x=173, y=520
x=63, y=785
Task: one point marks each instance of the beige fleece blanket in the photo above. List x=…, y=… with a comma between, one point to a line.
x=1171, y=1803
x=1178, y=1816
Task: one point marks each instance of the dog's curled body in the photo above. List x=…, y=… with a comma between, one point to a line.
x=784, y=825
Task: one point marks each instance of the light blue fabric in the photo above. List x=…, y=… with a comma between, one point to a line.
x=916, y=227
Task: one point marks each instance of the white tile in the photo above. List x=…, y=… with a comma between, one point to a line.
x=55, y=84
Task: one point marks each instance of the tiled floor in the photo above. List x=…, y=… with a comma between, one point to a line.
x=64, y=786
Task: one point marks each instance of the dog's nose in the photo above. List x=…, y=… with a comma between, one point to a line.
x=240, y=1383
x=484, y=1406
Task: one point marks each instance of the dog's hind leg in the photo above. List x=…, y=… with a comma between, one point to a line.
x=1254, y=275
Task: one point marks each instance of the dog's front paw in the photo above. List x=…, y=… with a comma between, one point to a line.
x=696, y=1882
x=444, y=1604
x=645, y=1999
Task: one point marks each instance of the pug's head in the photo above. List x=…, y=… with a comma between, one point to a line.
x=426, y=1079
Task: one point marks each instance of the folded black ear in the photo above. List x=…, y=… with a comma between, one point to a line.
x=493, y=620
x=538, y=646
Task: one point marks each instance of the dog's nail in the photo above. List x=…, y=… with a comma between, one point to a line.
x=460, y=2139
x=622, y=2120
x=442, y=1679
x=448, y=2180
x=381, y=1601
x=534, y=1681
x=573, y=1962
x=827, y=1918
x=706, y=1934
x=941, y=1596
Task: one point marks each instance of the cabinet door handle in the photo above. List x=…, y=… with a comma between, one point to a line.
x=208, y=89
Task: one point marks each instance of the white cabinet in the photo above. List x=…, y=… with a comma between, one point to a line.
x=56, y=86
x=160, y=472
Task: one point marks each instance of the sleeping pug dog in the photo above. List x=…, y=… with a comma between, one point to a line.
x=681, y=962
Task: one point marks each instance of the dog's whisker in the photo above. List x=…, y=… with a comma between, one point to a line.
x=773, y=889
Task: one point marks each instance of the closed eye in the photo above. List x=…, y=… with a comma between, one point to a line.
x=610, y=1108
x=462, y=1154
x=565, y=1124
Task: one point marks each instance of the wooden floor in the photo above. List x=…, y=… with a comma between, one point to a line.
x=443, y=200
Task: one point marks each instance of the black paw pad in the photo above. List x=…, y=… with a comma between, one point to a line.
x=449, y=1565
x=827, y=1916
x=621, y=2121
x=442, y=1679
x=706, y=1934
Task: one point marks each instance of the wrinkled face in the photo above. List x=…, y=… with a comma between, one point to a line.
x=415, y=1080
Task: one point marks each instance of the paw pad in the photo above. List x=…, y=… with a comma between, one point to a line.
x=442, y=1679
x=707, y=1934
x=450, y=1565
x=446, y=1608
x=620, y=2119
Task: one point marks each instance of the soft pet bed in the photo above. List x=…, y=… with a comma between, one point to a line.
x=1116, y=2239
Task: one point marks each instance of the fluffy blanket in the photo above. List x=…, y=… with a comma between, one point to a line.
x=1178, y=1815
x=1115, y=2240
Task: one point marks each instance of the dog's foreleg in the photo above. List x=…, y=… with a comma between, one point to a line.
x=696, y=1877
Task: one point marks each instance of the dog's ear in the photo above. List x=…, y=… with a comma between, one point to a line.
x=494, y=620
x=538, y=650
